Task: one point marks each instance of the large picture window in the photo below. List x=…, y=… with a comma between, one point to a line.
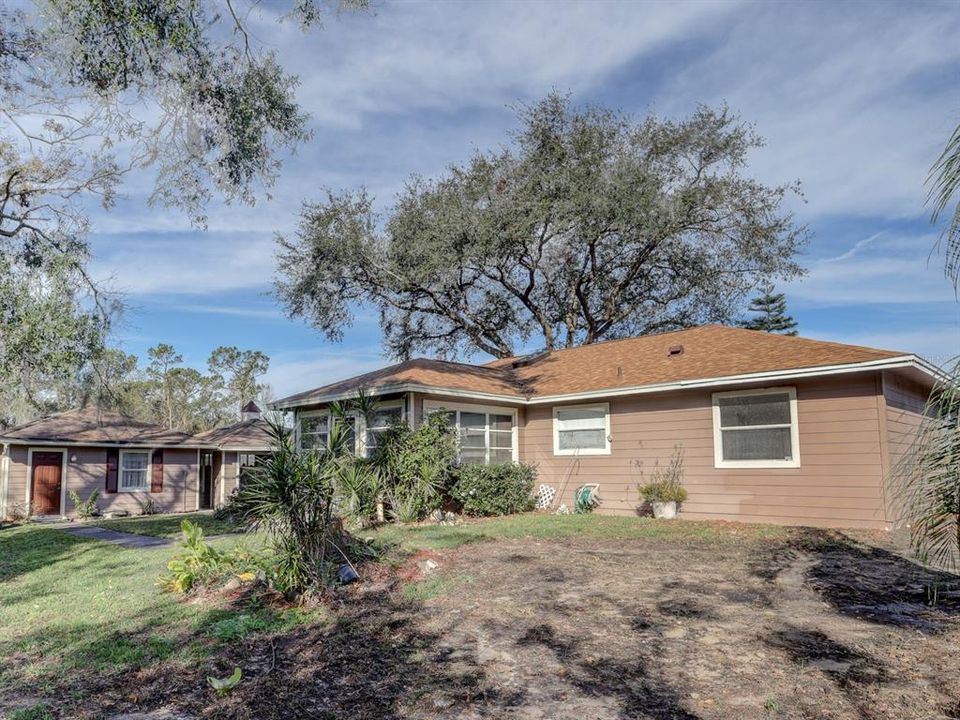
x=756, y=428
x=314, y=430
x=380, y=421
x=486, y=434
x=581, y=430
x=134, y=470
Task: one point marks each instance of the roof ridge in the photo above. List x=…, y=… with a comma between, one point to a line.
x=713, y=326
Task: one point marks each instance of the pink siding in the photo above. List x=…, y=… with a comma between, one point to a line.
x=89, y=472
x=839, y=482
x=905, y=403
x=228, y=474
x=17, y=480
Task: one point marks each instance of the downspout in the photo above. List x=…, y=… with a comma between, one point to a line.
x=4, y=478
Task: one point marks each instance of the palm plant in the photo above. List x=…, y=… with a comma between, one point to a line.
x=292, y=496
x=944, y=182
x=929, y=479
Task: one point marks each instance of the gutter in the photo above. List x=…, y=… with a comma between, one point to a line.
x=899, y=362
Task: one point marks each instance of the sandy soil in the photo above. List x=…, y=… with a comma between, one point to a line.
x=818, y=627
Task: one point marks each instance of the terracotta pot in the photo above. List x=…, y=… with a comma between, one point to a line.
x=664, y=510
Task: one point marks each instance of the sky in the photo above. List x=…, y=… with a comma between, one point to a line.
x=856, y=100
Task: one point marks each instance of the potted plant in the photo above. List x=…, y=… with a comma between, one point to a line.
x=663, y=497
x=665, y=489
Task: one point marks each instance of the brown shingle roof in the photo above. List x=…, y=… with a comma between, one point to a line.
x=709, y=351
x=245, y=435
x=90, y=425
x=433, y=373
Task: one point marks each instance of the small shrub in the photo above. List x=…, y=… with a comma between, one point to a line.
x=225, y=685
x=18, y=512
x=202, y=564
x=85, y=509
x=495, y=489
x=147, y=505
x=666, y=483
x=415, y=467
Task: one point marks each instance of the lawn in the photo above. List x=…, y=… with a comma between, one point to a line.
x=524, y=617
x=167, y=525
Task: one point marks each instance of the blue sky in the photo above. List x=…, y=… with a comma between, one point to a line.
x=855, y=100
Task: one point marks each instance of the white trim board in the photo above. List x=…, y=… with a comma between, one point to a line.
x=148, y=477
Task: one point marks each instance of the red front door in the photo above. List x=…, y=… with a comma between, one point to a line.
x=47, y=467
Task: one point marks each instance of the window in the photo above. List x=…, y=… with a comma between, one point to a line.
x=134, y=470
x=581, y=430
x=348, y=432
x=381, y=421
x=247, y=460
x=314, y=430
x=486, y=434
x=756, y=428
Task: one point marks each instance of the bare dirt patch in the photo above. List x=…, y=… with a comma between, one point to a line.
x=813, y=626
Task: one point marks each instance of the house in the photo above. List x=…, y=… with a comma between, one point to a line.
x=771, y=428
x=131, y=463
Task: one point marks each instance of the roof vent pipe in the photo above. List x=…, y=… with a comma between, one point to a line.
x=675, y=350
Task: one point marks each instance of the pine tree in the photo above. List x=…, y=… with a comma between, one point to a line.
x=771, y=309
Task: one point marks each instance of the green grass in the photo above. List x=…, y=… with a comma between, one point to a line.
x=542, y=526
x=71, y=606
x=167, y=525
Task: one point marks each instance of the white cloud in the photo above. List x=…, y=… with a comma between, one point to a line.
x=883, y=268
x=852, y=98
x=175, y=264
x=295, y=372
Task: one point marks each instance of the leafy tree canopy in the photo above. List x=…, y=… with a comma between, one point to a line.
x=589, y=226
x=91, y=90
x=770, y=310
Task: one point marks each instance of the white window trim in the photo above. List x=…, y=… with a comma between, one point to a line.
x=718, y=460
x=360, y=446
x=149, y=471
x=362, y=423
x=308, y=414
x=605, y=450
x=432, y=406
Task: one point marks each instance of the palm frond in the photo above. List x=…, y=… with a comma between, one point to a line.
x=944, y=183
x=928, y=478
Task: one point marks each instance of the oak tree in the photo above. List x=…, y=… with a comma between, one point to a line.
x=589, y=225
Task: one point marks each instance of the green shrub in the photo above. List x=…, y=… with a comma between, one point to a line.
x=666, y=483
x=663, y=491
x=495, y=489
x=415, y=467
x=199, y=563
x=292, y=496
x=85, y=509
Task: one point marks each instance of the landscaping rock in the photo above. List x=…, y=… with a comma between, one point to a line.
x=427, y=566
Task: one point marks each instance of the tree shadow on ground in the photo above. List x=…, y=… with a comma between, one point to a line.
x=24, y=549
x=373, y=661
x=640, y=693
x=868, y=582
